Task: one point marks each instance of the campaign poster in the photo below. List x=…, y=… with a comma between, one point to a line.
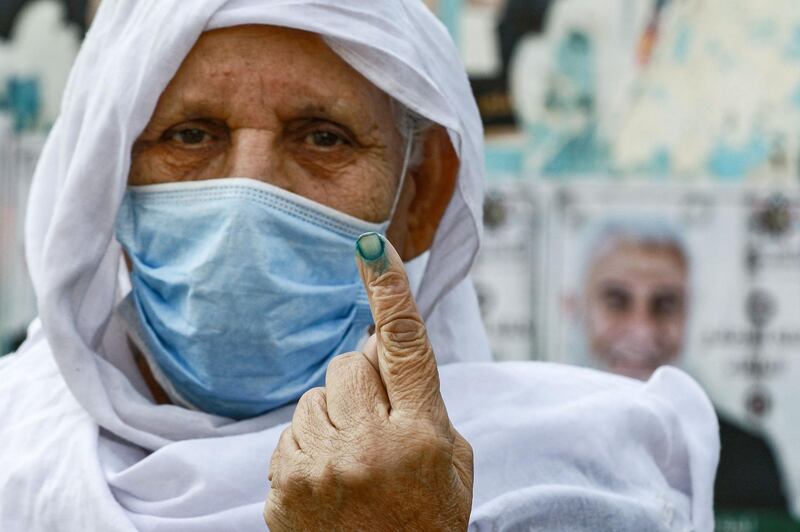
x=504, y=272
x=706, y=278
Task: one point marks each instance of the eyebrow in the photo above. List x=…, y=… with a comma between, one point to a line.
x=613, y=284
x=198, y=106
x=311, y=108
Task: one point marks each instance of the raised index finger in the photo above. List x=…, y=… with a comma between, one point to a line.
x=405, y=357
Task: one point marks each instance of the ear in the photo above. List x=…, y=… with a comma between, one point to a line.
x=428, y=190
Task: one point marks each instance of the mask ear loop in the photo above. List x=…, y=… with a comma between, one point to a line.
x=406, y=161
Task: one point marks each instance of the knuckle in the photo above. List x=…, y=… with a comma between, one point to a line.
x=425, y=439
x=420, y=363
x=286, y=434
x=339, y=471
x=355, y=475
x=417, y=362
x=312, y=398
x=274, y=463
x=432, y=440
x=324, y=473
x=309, y=434
x=284, y=444
x=307, y=415
x=468, y=451
x=391, y=294
x=341, y=363
x=463, y=460
x=464, y=451
x=407, y=333
x=391, y=282
x=367, y=448
x=348, y=371
x=295, y=480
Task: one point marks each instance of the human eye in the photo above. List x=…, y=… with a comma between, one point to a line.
x=320, y=134
x=196, y=134
x=325, y=139
x=190, y=136
x=666, y=305
x=616, y=299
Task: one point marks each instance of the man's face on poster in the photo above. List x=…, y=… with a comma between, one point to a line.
x=635, y=306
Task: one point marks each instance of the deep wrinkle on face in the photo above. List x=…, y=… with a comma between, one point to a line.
x=276, y=105
x=637, y=300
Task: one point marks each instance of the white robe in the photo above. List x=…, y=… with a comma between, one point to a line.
x=556, y=448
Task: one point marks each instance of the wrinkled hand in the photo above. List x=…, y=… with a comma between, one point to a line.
x=375, y=450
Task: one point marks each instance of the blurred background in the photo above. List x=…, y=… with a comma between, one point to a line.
x=643, y=207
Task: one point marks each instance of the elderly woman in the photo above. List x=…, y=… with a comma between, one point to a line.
x=227, y=336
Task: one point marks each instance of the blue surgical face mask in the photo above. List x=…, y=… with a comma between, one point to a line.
x=242, y=291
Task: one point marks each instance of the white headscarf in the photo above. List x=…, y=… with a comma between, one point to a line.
x=129, y=56
x=85, y=448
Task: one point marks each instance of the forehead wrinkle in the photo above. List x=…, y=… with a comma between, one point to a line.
x=295, y=101
x=197, y=96
x=246, y=87
x=222, y=99
x=313, y=92
x=197, y=105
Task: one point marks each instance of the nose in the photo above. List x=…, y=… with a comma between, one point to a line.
x=641, y=327
x=253, y=153
x=643, y=332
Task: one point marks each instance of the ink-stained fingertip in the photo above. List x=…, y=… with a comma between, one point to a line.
x=371, y=247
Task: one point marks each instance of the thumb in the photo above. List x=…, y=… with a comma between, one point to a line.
x=405, y=358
